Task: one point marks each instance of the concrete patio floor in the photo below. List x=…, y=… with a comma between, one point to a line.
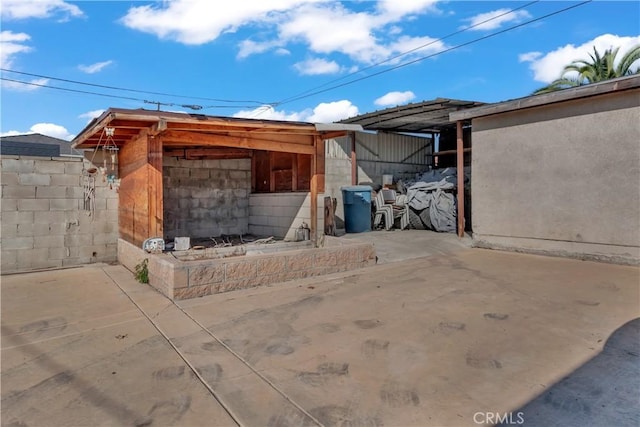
x=446, y=340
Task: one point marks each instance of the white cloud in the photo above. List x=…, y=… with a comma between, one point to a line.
x=329, y=112
x=250, y=47
x=94, y=68
x=399, y=9
x=90, y=115
x=496, y=19
x=416, y=45
x=267, y=112
x=325, y=27
x=48, y=129
x=12, y=44
x=326, y=112
x=201, y=21
x=282, y=51
x=548, y=67
x=529, y=56
x=51, y=129
x=317, y=66
x=28, y=86
x=352, y=33
x=24, y=9
x=395, y=98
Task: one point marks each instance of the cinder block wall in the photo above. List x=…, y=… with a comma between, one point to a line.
x=281, y=214
x=43, y=221
x=206, y=198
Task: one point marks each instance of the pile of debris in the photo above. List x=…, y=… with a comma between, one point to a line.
x=432, y=200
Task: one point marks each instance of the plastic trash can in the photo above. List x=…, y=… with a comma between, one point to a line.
x=357, y=208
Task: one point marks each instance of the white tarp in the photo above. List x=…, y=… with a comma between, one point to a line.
x=430, y=195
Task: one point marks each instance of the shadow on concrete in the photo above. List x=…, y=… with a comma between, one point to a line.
x=605, y=391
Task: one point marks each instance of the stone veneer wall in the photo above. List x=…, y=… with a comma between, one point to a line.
x=206, y=198
x=44, y=224
x=189, y=279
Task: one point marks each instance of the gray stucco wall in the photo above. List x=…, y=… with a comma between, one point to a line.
x=44, y=223
x=560, y=179
x=206, y=198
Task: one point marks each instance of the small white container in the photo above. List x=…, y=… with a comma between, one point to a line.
x=387, y=180
x=182, y=243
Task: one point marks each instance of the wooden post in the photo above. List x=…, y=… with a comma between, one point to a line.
x=156, y=202
x=317, y=186
x=354, y=162
x=460, y=172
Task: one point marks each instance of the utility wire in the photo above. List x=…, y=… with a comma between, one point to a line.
x=306, y=95
x=130, y=90
x=193, y=107
x=409, y=51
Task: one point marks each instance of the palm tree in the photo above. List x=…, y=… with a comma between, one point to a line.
x=601, y=67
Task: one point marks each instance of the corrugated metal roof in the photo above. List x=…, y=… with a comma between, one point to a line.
x=422, y=117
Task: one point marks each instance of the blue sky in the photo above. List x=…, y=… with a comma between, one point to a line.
x=317, y=61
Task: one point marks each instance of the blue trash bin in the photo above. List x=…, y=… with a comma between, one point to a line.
x=357, y=208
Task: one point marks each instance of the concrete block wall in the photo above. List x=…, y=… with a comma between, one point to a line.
x=281, y=214
x=206, y=198
x=44, y=223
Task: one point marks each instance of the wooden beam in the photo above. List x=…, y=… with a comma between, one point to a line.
x=199, y=139
x=259, y=129
x=208, y=153
x=460, y=176
x=333, y=134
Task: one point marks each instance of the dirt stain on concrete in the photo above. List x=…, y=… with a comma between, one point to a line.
x=588, y=303
x=482, y=362
x=333, y=415
x=396, y=395
x=57, y=324
x=212, y=372
x=496, y=316
x=367, y=323
x=448, y=327
x=371, y=348
x=280, y=349
x=324, y=373
x=169, y=373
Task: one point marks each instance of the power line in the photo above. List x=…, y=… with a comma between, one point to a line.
x=130, y=90
x=410, y=51
x=191, y=106
x=306, y=95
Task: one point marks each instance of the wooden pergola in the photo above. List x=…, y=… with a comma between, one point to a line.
x=143, y=137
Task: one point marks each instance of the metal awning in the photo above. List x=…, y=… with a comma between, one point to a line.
x=422, y=117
